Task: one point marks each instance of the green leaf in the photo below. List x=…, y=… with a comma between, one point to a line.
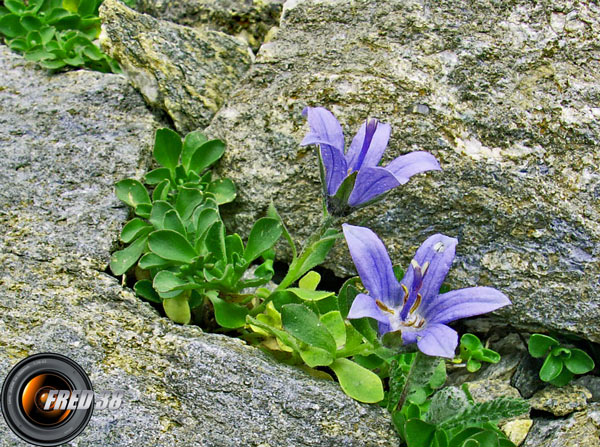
x=470, y=342
x=579, y=362
x=473, y=365
x=539, y=345
x=161, y=191
x=132, y=193
x=487, y=355
x=173, y=222
x=166, y=281
x=310, y=295
x=207, y=154
x=15, y=6
x=187, y=201
x=93, y=52
x=158, y=175
x=169, y=244
x=551, y=368
x=223, y=189
x=18, y=44
x=310, y=281
x=191, y=143
x=334, y=323
x=47, y=33
x=70, y=5
x=178, y=309
x=123, y=260
x=319, y=251
x=419, y=433
x=491, y=410
x=52, y=65
x=31, y=23
x=233, y=245
x=215, y=241
x=263, y=236
x=357, y=382
x=204, y=221
x=167, y=148
x=304, y=324
x=86, y=7
x=563, y=378
x=228, y=315
x=273, y=214
x=157, y=216
x=150, y=260
x=346, y=295
x=10, y=26
x=144, y=289
x=133, y=229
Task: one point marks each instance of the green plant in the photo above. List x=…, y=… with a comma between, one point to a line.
x=472, y=352
x=55, y=33
x=561, y=363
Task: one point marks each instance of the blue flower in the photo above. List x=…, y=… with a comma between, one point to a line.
x=413, y=307
x=362, y=158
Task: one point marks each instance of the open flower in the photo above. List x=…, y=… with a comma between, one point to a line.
x=413, y=306
x=362, y=158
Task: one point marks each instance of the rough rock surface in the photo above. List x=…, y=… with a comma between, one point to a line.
x=561, y=401
x=65, y=140
x=578, y=430
x=250, y=20
x=185, y=71
x=505, y=95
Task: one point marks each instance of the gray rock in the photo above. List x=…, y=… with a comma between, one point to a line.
x=561, y=401
x=181, y=387
x=185, y=71
x=250, y=20
x=592, y=383
x=527, y=376
x=65, y=140
x=504, y=95
x=578, y=430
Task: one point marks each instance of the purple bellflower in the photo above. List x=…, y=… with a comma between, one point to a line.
x=362, y=158
x=413, y=306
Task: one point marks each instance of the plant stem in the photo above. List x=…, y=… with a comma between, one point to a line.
x=406, y=388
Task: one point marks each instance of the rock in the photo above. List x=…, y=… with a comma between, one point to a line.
x=578, y=430
x=502, y=94
x=65, y=139
x=250, y=20
x=517, y=430
x=561, y=401
x=181, y=387
x=527, y=376
x=592, y=383
x=187, y=72
x=484, y=390
x=64, y=142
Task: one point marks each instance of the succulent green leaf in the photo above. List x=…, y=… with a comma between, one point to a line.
x=473, y=365
x=173, y=222
x=132, y=192
x=166, y=281
x=31, y=23
x=133, y=229
x=157, y=216
x=563, y=378
x=579, y=362
x=150, y=260
x=207, y=154
x=223, y=189
x=70, y=5
x=161, y=191
x=123, y=260
x=178, y=309
x=263, y=236
x=144, y=289
x=167, y=148
x=215, y=241
x=310, y=295
x=540, y=344
x=419, y=433
x=357, y=382
x=187, y=201
x=470, y=342
x=551, y=368
x=310, y=281
x=18, y=44
x=10, y=26
x=191, y=143
x=158, y=175
x=86, y=7
x=15, y=6
x=228, y=315
x=304, y=324
x=233, y=244
x=169, y=244
x=334, y=323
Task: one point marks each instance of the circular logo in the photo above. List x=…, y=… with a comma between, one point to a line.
x=47, y=399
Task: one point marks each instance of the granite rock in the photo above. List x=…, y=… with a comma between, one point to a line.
x=250, y=20
x=65, y=139
x=185, y=71
x=505, y=95
x=561, y=401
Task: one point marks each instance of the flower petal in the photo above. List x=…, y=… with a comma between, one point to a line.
x=405, y=166
x=465, y=303
x=365, y=306
x=335, y=167
x=324, y=128
x=438, y=340
x=370, y=183
x=373, y=263
x=438, y=251
x=376, y=149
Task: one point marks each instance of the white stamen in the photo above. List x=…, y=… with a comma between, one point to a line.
x=439, y=247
